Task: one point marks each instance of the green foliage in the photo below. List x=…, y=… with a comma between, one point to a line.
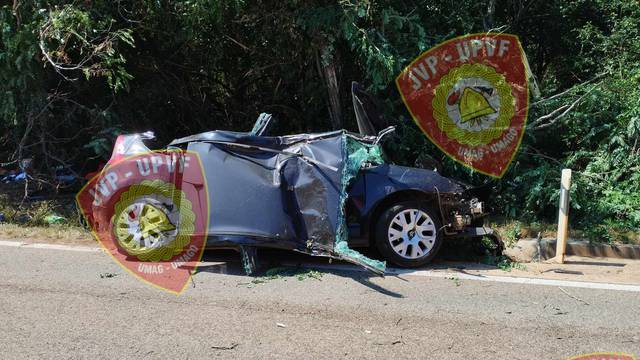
x=504, y=264
x=73, y=40
x=501, y=262
x=101, y=144
x=72, y=74
x=599, y=138
x=488, y=244
x=42, y=213
x=513, y=232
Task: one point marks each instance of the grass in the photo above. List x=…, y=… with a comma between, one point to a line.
x=507, y=265
x=57, y=234
x=501, y=262
x=29, y=221
x=52, y=220
x=510, y=231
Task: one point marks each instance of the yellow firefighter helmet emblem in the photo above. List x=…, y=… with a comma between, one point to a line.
x=473, y=105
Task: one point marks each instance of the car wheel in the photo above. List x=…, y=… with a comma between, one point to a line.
x=146, y=218
x=408, y=234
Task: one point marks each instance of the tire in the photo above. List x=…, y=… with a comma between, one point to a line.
x=401, y=242
x=152, y=221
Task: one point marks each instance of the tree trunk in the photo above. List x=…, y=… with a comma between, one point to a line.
x=328, y=71
x=488, y=18
x=334, y=95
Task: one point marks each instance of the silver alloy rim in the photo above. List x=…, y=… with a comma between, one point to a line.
x=412, y=234
x=131, y=220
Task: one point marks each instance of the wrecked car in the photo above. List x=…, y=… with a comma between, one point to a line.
x=320, y=194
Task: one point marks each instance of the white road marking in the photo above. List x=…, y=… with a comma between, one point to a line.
x=479, y=277
x=391, y=271
x=50, y=246
x=11, y=243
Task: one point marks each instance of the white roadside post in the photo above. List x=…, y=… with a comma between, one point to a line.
x=563, y=216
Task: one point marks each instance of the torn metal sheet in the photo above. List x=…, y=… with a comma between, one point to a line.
x=287, y=192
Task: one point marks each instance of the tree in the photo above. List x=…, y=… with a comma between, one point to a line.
x=75, y=74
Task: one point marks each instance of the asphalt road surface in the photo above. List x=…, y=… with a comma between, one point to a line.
x=55, y=304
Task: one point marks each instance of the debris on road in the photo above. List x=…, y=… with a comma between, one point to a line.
x=107, y=275
x=395, y=342
x=285, y=272
x=230, y=347
x=455, y=280
x=559, y=312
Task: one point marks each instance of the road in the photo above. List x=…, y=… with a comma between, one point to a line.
x=55, y=304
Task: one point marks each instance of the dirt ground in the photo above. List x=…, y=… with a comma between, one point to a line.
x=575, y=268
